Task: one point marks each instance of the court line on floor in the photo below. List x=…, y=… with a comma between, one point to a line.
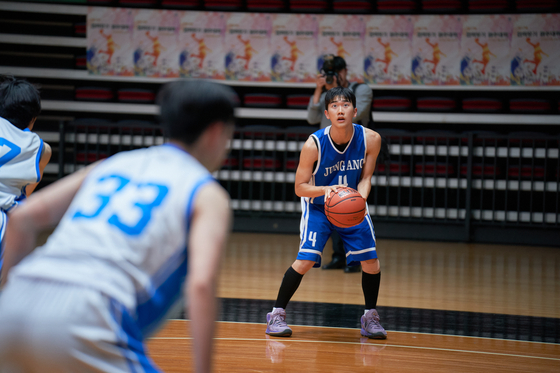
x=391, y=331
x=359, y=343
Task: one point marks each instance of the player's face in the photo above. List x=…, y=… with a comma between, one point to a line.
x=341, y=112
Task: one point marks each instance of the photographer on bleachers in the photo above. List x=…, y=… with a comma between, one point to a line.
x=333, y=74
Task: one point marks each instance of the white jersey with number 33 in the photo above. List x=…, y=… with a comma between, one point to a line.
x=126, y=232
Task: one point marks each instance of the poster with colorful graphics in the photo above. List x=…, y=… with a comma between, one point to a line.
x=343, y=35
x=155, y=43
x=436, y=50
x=293, y=51
x=535, y=50
x=485, y=48
x=247, y=46
x=201, y=38
x=387, y=49
x=109, y=41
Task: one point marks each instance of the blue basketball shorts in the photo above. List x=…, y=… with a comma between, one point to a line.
x=315, y=230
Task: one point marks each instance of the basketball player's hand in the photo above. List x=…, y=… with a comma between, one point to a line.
x=331, y=189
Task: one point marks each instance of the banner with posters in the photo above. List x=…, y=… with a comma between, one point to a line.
x=293, y=42
x=343, y=35
x=247, y=42
x=387, y=49
x=436, y=48
x=155, y=41
x=485, y=49
x=535, y=49
x=109, y=41
x=201, y=41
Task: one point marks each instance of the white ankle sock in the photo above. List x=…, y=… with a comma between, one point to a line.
x=366, y=311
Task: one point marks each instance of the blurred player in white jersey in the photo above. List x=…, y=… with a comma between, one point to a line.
x=23, y=155
x=131, y=230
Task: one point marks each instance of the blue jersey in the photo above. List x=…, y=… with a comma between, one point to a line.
x=339, y=167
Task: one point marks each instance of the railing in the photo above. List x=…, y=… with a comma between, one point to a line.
x=437, y=177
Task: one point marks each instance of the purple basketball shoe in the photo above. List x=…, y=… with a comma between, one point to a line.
x=371, y=327
x=276, y=324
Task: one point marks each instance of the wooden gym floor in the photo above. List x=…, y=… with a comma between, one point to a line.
x=448, y=307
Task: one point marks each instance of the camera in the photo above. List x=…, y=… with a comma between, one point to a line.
x=328, y=69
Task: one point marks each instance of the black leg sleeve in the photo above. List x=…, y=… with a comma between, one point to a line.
x=290, y=284
x=370, y=286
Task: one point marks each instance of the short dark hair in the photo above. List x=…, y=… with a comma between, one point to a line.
x=339, y=63
x=339, y=92
x=20, y=101
x=187, y=108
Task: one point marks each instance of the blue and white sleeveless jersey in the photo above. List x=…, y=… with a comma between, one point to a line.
x=339, y=167
x=20, y=153
x=126, y=232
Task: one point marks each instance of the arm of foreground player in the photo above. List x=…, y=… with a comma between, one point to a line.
x=210, y=227
x=41, y=211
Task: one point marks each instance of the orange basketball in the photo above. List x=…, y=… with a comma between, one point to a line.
x=345, y=208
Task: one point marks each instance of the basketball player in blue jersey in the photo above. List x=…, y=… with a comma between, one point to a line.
x=342, y=154
x=23, y=155
x=130, y=230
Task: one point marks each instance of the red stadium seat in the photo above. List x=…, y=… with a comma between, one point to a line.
x=441, y=6
x=526, y=172
x=94, y=94
x=391, y=103
x=316, y=6
x=434, y=169
x=136, y=95
x=230, y=162
x=80, y=62
x=265, y=5
x=545, y=6
x=291, y=164
x=396, y=6
x=80, y=29
x=435, y=104
x=486, y=105
x=352, y=6
x=223, y=4
x=529, y=105
x=262, y=100
x=89, y=157
x=297, y=101
x=487, y=6
x=394, y=168
x=479, y=170
x=263, y=163
x=180, y=4
x=138, y=3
